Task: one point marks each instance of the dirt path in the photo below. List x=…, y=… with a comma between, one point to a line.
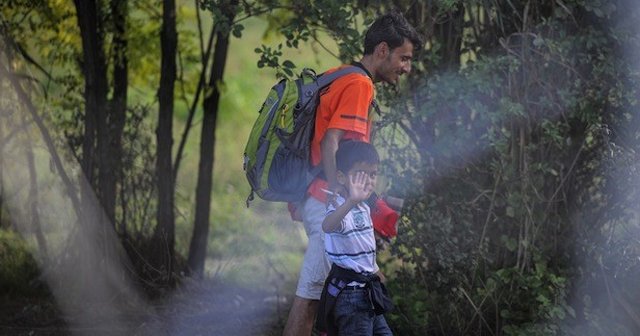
x=200, y=310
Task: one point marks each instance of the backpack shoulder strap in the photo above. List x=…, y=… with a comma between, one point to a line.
x=327, y=78
x=374, y=106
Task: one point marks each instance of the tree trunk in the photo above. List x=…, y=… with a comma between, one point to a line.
x=33, y=200
x=111, y=166
x=164, y=235
x=1, y=170
x=198, y=245
x=449, y=34
x=95, y=88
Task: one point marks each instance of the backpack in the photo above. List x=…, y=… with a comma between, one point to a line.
x=277, y=154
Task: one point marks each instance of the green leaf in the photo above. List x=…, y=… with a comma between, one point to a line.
x=598, y=12
x=510, y=243
x=570, y=311
x=541, y=268
x=288, y=64
x=542, y=299
x=510, y=212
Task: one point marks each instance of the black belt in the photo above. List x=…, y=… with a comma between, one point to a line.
x=355, y=287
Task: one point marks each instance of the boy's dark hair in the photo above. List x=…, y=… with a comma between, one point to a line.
x=392, y=28
x=351, y=152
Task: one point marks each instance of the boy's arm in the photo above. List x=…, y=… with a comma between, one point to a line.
x=333, y=221
x=358, y=192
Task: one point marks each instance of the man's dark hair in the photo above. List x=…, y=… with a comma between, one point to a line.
x=351, y=152
x=392, y=28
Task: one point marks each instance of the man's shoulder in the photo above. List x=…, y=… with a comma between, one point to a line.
x=358, y=78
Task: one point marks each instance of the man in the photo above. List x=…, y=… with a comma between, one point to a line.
x=344, y=113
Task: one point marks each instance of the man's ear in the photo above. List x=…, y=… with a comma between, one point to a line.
x=382, y=49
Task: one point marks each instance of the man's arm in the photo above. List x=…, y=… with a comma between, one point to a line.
x=328, y=148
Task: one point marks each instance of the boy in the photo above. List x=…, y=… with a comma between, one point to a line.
x=353, y=299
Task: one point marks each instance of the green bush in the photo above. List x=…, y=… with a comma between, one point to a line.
x=19, y=272
x=519, y=173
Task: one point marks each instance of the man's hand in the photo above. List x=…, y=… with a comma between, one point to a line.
x=394, y=203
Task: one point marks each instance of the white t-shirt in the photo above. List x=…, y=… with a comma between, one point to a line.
x=353, y=246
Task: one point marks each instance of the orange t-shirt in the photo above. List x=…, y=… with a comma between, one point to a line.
x=344, y=105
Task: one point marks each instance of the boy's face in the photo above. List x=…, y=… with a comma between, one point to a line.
x=370, y=171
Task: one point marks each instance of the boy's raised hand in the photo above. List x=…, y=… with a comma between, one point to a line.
x=359, y=189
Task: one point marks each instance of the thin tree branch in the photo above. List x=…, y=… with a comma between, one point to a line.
x=194, y=105
x=263, y=11
x=13, y=45
x=315, y=38
x=200, y=33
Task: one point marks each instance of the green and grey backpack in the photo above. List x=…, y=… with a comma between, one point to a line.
x=277, y=155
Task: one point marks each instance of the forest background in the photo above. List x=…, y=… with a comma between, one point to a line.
x=514, y=141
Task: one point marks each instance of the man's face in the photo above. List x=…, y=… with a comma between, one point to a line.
x=397, y=63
